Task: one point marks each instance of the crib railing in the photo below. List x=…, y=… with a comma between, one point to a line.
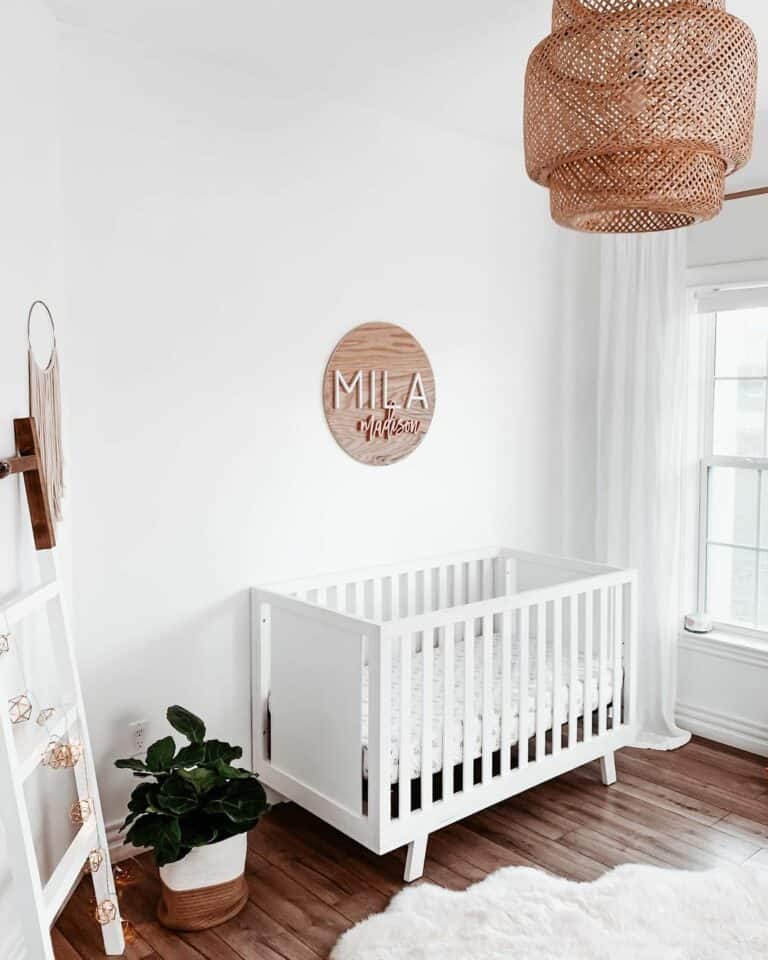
x=590, y=622
x=390, y=593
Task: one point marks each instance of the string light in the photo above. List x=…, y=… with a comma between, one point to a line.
x=62, y=756
x=20, y=708
x=80, y=812
x=129, y=932
x=94, y=862
x=124, y=874
x=45, y=715
x=106, y=912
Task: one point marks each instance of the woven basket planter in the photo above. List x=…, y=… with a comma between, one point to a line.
x=637, y=110
x=206, y=888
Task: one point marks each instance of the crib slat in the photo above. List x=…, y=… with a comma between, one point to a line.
x=472, y=590
x=394, y=602
x=589, y=626
x=631, y=653
x=541, y=681
x=380, y=731
x=442, y=588
x=487, y=763
x=469, y=704
x=506, y=691
x=602, y=666
x=557, y=676
x=487, y=592
x=359, y=610
x=510, y=577
x=573, y=674
x=522, y=718
x=378, y=608
x=427, y=655
x=618, y=636
x=449, y=638
x=410, y=595
x=330, y=593
x=404, y=761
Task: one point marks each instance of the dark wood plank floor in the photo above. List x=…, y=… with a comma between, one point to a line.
x=699, y=807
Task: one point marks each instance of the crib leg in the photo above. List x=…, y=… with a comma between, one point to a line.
x=608, y=769
x=414, y=861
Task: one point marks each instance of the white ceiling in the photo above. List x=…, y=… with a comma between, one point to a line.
x=457, y=64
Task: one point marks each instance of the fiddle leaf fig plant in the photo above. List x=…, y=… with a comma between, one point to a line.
x=191, y=797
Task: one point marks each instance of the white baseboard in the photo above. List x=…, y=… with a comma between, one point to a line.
x=725, y=728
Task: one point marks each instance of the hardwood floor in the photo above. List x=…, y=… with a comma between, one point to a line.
x=699, y=807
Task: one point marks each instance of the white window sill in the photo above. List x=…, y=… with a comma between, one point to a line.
x=727, y=645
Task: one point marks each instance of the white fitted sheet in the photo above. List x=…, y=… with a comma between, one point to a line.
x=476, y=733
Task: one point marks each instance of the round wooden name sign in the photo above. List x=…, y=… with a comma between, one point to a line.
x=379, y=393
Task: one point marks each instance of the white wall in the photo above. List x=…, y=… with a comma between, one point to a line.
x=737, y=234
x=721, y=685
x=204, y=243
x=29, y=188
x=221, y=239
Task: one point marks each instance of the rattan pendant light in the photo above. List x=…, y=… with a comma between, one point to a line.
x=637, y=110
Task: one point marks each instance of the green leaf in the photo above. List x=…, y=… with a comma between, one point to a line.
x=198, y=830
x=128, y=821
x=201, y=778
x=186, y=723
x=160, y=754
x=231, y=773
x=144, y=798
x=132, y=763
x=162, y=834
x=177, y=795
x=189, y=756
x=243, y=800
x=216, y=750
x=226, y=828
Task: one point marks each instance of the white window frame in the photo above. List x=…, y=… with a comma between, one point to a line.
x=715, y=290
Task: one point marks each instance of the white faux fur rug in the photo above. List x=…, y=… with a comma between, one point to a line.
x=632, y=913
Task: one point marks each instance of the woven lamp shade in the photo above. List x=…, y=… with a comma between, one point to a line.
x=637, y=110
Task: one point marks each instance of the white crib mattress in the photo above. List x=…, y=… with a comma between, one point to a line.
x=476, y=733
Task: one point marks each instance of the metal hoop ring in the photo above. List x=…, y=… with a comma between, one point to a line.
x=44, y=305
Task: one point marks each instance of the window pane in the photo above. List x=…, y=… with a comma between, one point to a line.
x=742, y=343
x=731, y=584
x=739, y=418
x=763, y=594
x=763, y=508
x=733, y=506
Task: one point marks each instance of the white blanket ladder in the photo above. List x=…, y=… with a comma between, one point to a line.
x=39, y=904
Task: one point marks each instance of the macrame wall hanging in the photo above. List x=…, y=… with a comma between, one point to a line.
x=45, y=407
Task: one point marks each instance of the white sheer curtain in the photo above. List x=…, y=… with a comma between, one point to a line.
x=642, y=395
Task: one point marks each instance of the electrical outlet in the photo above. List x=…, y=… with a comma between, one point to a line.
x=139, y=737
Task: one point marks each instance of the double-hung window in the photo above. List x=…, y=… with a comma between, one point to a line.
x=733, y=512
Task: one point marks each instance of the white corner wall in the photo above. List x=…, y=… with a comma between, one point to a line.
x=204, y=243
x=220, y=240
x=738, y=234
x=721, y=685
x=30, y=194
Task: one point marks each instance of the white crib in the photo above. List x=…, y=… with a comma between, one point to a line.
x=372, y=711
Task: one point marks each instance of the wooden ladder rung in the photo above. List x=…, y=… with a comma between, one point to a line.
x=30, y=763
x=67, y=873
x=21, y=606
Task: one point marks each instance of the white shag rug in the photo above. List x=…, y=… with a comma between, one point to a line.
x=631, y=913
